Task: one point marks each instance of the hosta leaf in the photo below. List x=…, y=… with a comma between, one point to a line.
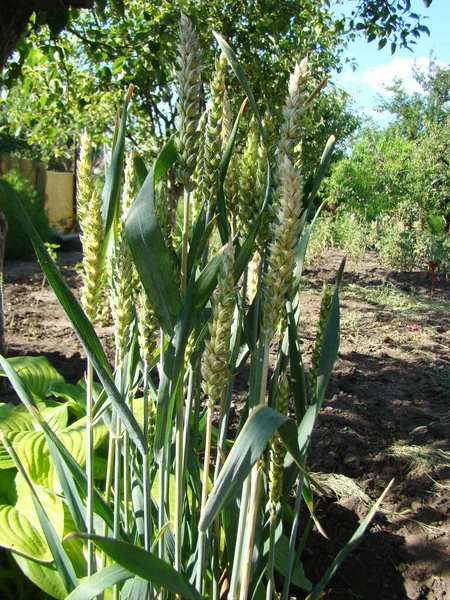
x=46, y=518
x=19, y=535
x=20, y=529
x=75, y=395
x=36, y=372
x=32, y=450
x=56, y=416
x=34, y=454
x=73, y=438
x=45, y=576
x=12, y=418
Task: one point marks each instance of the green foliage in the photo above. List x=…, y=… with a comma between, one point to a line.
x=18, y=245
x=343, y=230
x=138, y=48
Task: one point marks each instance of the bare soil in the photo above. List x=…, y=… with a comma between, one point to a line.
x=390, y=393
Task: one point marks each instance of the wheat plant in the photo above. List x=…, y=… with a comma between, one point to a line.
x=174, y=505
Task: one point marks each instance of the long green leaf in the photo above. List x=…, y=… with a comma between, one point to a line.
x=234, y=62
x=298, y=382
x=99, y=582
x=349, y=547
x=152, y=258
x=247, y=449
x=113, y=183
x=313, y=184
x=144, y=564
x=223, y=168
x=80, y=323
x=62, y=561
x=170, y=376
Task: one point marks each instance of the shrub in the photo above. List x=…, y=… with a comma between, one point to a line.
x=17, y=244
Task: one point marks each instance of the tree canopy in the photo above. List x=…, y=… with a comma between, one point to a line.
x=70, y=73
x=404, y=169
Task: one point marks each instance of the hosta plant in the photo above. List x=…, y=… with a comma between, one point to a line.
x=197, y=295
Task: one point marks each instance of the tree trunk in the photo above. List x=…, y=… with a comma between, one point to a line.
x=13, y=20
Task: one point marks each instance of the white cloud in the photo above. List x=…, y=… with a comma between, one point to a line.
x=401, y=68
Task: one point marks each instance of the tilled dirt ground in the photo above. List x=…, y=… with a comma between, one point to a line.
x=386, y=414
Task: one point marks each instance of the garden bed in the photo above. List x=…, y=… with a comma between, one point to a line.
x=386, y=414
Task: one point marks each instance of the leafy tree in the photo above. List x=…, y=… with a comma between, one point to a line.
x=405, y=169
x=417, y=111
x=374, y=178
x=73, y=73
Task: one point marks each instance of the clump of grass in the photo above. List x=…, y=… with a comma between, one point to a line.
x=420, y=459
x=342, y=486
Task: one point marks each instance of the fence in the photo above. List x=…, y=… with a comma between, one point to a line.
x=55, y=188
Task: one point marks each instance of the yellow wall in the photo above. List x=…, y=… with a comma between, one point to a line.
x=58, y=203
x=56, y=189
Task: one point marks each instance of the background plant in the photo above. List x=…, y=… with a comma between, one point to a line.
x=18, y=245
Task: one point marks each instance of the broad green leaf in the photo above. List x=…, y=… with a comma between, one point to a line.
x=56, y=416
x=36, y=372
x=71, y=393
x=34, y=453
x=68, y=469
x=45, y=576
x=19, y=535
x=60, y=558
x=145, y=565
x=151, y=256
x=20, y=529
x=12, y=418
x=99, y=582
x=247, y=449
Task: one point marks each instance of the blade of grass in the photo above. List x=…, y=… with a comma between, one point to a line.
x=349, y=546
x=99, y=582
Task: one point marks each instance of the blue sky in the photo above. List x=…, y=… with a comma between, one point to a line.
x=378, y=67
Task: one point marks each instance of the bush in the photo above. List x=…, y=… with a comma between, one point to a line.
x=343, y=230
x=17, y=244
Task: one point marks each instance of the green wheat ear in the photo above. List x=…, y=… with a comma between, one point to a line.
x=213, y=136
x=281, y=258
x=189, y=93
x=89, y=207
x=121, y=271
x=217, y=347
x=324, y=310
x=277, y=448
